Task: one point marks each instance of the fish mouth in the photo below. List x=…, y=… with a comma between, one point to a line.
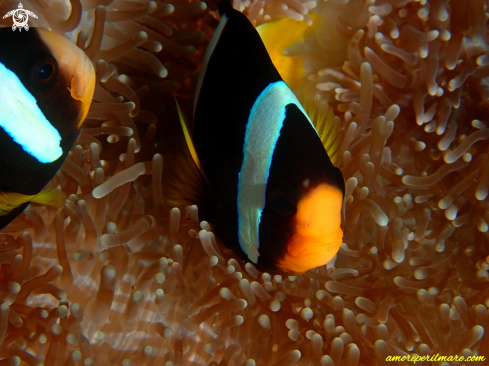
x=317, y=234
x=83, y=86
x=308, y=252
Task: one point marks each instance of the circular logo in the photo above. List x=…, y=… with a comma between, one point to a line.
x=20, y=17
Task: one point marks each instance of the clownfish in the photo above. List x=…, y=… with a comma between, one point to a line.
x=272, y=193
x=46, y=87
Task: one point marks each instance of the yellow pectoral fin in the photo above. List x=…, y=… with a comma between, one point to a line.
x=188, y=139
x=50, y=197
x=327, y=126
x=12, y=200
x=184, y=181
x=280, y=35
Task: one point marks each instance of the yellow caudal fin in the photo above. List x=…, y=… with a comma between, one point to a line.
x=280, y=35
x=184, y=181
x=327, y=125
x=49, y=197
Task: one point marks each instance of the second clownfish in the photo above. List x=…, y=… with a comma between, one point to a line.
x=46, y=87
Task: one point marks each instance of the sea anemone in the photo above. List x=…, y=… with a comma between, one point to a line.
x=117, y=277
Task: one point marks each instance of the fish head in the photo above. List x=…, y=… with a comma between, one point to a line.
x=54, y=71
x=300, y=225
x=46, y=87
x=316, y=235
x=76, y=71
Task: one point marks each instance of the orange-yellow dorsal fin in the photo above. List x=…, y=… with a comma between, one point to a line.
x=280, y=35
x=12, y=200
x=327, y=125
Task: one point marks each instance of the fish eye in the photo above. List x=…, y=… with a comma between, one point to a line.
x=282, y=202
x=44, y=71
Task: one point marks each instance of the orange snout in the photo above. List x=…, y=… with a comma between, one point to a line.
x=77, y=67
x=318, y=235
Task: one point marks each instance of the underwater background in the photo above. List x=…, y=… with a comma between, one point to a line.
x=117, y=277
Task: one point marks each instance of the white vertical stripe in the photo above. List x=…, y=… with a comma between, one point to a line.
x=21, y=118
x=262, y=133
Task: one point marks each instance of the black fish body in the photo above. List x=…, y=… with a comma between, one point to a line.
x=277, y=196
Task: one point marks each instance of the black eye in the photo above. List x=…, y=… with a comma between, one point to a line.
x=282, y=200
x=45, y=72
x=283, y=204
